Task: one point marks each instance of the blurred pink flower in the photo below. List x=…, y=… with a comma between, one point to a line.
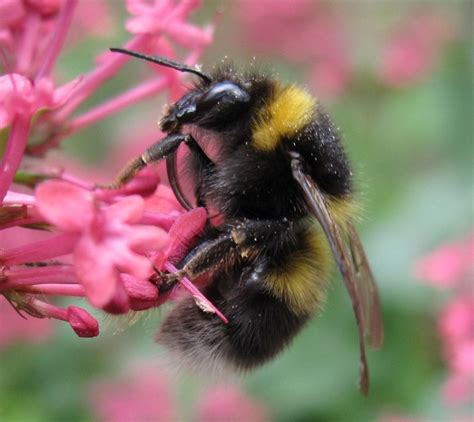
x=457, y=389
x=448, y=264
x=414, y=47
x=398, y=418
x=11, y=13
x=303, y=31
x=456, y=321
x=227, y=403
x=94, y=18
x=452, y=266
x=45, y=7
x=144, y=395
x=157, y=16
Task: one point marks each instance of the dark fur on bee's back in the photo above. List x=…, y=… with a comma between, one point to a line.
x=272, y=284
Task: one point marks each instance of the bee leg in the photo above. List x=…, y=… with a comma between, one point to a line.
x=156, y=152
x=209, y=256
x=242, y=241
x=165, y=281
x=201, y=163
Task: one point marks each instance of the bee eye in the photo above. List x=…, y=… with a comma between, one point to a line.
x=223, y=93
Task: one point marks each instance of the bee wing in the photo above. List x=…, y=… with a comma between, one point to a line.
x=367, y=289
x=354, y=268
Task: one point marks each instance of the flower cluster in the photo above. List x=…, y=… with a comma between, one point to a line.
x=285, y=28
x=148, y=395
x=78, y=239
x=316, y=34
x=451, y=266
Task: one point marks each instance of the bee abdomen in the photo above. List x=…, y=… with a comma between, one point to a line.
x=260, y=325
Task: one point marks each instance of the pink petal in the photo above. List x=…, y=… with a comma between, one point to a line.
x=185, y=229
x=128, y=261
x=163, y=200
x=189, y=35
x=65, y=205
x=142, y=293
x=145, y=238
x=96, y=271
x=120, y=302
x=11, y=12
x=64, y=92
x=45, y=7
x=129, y=209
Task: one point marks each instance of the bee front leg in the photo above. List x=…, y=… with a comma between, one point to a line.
x=156, y=152
x=159, y=150
x=201, y=163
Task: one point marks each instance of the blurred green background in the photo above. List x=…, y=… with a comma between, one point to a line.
x=411, y=146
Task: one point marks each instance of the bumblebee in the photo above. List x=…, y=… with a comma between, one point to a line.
x=283, y=186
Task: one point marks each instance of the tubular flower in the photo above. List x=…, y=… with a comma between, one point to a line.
x=79, y=240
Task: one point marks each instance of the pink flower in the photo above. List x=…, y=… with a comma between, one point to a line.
x=11, y=13
x=19, y=96
x=305, y=32
x=168, y=16
x=83, y=323
x=457, y=389
x=144, y=395
x=462, y=359
x=456, y=322
x=227, y=403
x=104, y=245
x=414, y=47
x=447, y=265
x=88, y=14
x=108, y=241
x=99, y=243
x=451, y=266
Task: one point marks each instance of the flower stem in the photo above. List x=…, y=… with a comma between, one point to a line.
x=37, y=275
x=28, y=43
x=52, y=247
x=57, y=42
x=97, y=77
x=11, y=159
x=48, y=310
x=55, y=289
x=138, y=93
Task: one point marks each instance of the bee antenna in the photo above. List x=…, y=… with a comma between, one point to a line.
x=164, y=62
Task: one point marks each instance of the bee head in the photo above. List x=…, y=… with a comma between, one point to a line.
x=215, y=105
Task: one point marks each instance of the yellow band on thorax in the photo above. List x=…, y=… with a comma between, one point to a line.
x=289, y=111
